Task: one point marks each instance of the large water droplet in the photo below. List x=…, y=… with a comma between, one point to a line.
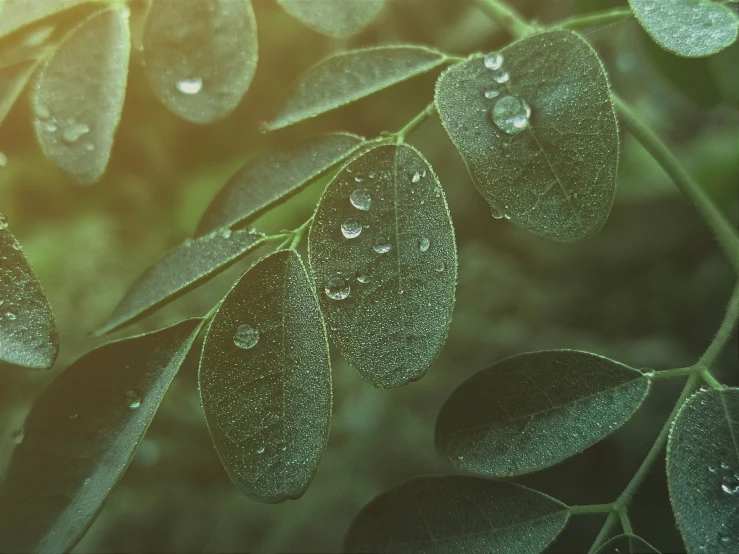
x=351, y=228
x=423, y=244
x=246, y=336
x=511, y=114
x=382, y=245
x=416, y=177
x=730, y=485
x=133, y=399
x=501, y=76
x=361, y=199
x=494, y=60
x=492, y=93
x=337, y=288
x=190, y=86
x=74, y=131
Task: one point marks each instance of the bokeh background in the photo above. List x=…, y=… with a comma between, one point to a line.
x=649, y=290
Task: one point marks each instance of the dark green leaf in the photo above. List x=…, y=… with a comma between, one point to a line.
x=349, y=76
x=531, y=411
x=82, y=434
x=181, y=270
x=335, y=18
x=444, y=514
x=28, y=335
x=627, y=544
x=690, y=28
x=703, y=471
x=201, y=55
x=13, y=80
x=263, y=182
x=79, y=95
x=384, y=260
x=19, y=13
x=553, y=172
x=265, y=380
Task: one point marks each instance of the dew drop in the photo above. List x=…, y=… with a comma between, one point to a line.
x=361, y=199
x=440, y=267
x=246, y=337
x=133, y=399
x=226, y=233
x=437, y=192
x=423, y=244
x=49, y=127
x=190, y=86
x=492, y=93
x=511, y=114
x=74, y=131
x=382, y=245
x=260, y=450
x=730, y=485
x=337, y=288
x=416, y=177
x=43, y=112
x=351, y=228
x=493, y=61
x=364, y=278
x=3, y=221
x=11, y=316
x=358, y=179
x=501, y=76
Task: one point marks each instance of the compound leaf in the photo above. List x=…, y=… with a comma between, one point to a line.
x=703, y=471
x=263, y=182
x=538, y=133
x=200, y=55
x=627, y=544
x=384, y=260
x=531, y=411
x=335, y=18
x=465, y=515
x=689, y=28
x=28, y=336
x=79, y=95
x=184, y=268
x=265, y=380
x=349, y=76
x=81, y=435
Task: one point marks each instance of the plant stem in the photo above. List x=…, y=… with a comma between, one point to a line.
x=506, y=17
x=724, y=332
x=591, y=509
x=299, y=233
x=413, y=124
x=723, y=230
x=595, y=18
x=605, y=531
x=667, y=373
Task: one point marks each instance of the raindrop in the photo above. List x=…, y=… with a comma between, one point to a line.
x=73, y=133
x=730, y=486
x=190, y=86
x=358, y=179
x=351, y=228
x=382, y=245
x=511, y=114
x=360, y=199
x=423, y=244
x=133, y=399
x=494, y=60
x=246, y=336
x=492, y=93
x=496, y=213
x=501, y=76
x=337, y=288
x=437, y=192
x=226, y=233
x=364, y=278
x=416, y=177
x=260, y=450
x=440, y=267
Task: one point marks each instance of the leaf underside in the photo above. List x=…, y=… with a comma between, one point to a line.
x=627, y=544
x=557, y=176
x=268, y=401
x=401, y=269
x=335, y=18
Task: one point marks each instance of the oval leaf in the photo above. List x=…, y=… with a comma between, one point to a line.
x=457, y=514
x=79, y=95
x=533, y=410
x=201, y=55
x=15, y=14
x=349, y=76
x=28, y=336
x=687, y=28
x=265, y=380
x=263, y=182
x=335, y=18
x=627, y=544
x=703, y=471
x=553, y=172
x=384, y=259
x=82, y=434
x=184, y=268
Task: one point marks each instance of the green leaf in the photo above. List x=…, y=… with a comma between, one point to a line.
x=335, y=18
x=13, y=80
x=531, y=411
x=184, y=268
x=266, y=181
x=28, y=336
x=79, y=95
x=81, y=435
x=384, y=260
x=201, y=55
x=627, y=544
x=343, y=78
x=17, y=14
x=553, y=173
x=443, y=514
x=703, y=471
x=265, y=380
x=689, y=28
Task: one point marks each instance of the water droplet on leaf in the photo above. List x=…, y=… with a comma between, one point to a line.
x=382, y=245
x=190, y=86
x=133, y=399
x=511, y=114
x=423, y=244
x=416, y=177
x=260, y=450
x=351, y=228
x=246, y=337
x=337, y=288
x=492, y=93
x=494, y=60
x=361, y=199
x=74, y=131
x=501, y=76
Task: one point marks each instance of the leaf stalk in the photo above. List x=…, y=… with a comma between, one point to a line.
x=595, y=18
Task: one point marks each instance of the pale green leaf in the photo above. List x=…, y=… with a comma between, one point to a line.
x=265, y=380
x=33, y=43
x=200, y=55
x=349, y=76
x=79, y=95
x=690, y=28
x=703, y=471
x=531, y=411
x=266, y=181
x=28, y=336
x=555, y=173
x=335, y=18
x=16, y=14
x=464, y=515
x=81, y=435
x=627, y=544
x=184, y=268
x=387, y=293
x=13, y=80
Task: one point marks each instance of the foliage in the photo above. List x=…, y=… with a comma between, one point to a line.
x=535, y=123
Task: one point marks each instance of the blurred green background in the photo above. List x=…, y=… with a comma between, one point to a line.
x=649, y=290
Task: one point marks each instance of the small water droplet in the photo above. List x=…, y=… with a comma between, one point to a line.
x=246, y=336
x=382, y=245
x=494, y=60
x=364, y=278
x=361, y=199
x=724, y=465
x=260, y=450
x=492, y=93
x=43, y=112
x=49, y=127
x=511, y=114
x=501, y=76
x=440, y=267
x=226, y=233
x=423, y=244
x=416, y=177
x=730, y=485
x=73, y=416
x=351, y=228
x=10, y=316
x=18, y=435
x=337, y=288
x=283, y=448
x=358, y=179
x=3, y=221
x=133, y=399
x=437, y=192
x=190, y=86
x=74, y=131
